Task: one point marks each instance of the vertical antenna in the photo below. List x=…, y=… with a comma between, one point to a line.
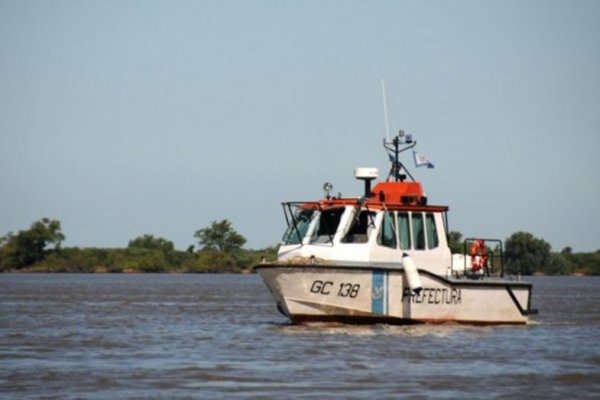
x=387, y=128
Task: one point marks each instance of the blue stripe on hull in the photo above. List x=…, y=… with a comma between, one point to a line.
x=379, y=293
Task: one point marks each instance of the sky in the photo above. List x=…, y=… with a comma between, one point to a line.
x=124, y=118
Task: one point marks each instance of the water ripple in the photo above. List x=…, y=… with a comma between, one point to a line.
x=214, y=336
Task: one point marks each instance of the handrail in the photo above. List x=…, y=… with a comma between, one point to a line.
x=498, y=242
x=287, y=220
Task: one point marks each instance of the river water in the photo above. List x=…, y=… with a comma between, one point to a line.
x=97, y=336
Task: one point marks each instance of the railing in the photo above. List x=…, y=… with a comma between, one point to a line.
x=493, y=258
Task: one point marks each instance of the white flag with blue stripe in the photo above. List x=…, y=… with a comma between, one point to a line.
x=422, y=160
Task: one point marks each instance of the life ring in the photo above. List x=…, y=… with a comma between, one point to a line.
x=478, y=255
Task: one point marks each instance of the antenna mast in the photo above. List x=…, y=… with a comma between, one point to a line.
x=385, y=115
x=399, y=144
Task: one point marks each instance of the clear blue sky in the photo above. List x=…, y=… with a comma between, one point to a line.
x=120, y=118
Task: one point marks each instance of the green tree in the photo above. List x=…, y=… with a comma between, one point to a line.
x=172, y=257
x=152, y=243
x=526, y=254
x=567, y=251
x=221, y=237
x=558, y=265
x=455, y=242
x=30, y=246
x=584, y=263
x=213, y=261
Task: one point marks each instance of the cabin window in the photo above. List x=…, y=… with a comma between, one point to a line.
x=361, y=227
x=327, y=224
x=432, y=235
x=295, y=233
x=387, y=235
x=404, y=230
x=418, y=231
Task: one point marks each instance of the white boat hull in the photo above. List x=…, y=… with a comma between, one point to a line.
x=377, y=294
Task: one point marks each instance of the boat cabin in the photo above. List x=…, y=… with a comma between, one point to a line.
x=391, y=219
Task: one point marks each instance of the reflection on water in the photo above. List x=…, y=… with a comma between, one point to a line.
x=214, y=336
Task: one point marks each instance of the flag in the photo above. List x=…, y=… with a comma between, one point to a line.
x=422, y=160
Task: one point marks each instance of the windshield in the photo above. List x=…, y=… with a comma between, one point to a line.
x=361, y=227
x=327, y=225
x=298, y=227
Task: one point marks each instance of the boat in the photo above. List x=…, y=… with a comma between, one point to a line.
x=384, y=257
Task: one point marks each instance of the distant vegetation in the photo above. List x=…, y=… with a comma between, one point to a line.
x=38, y=249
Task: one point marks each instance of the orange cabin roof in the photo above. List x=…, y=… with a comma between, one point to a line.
x=398, y=192
x=394, y=195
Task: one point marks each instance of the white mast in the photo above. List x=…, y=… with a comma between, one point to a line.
x=385, y=115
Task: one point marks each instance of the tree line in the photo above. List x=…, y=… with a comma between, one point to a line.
x=39, y=249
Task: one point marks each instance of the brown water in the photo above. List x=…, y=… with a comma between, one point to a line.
x=220, y=336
